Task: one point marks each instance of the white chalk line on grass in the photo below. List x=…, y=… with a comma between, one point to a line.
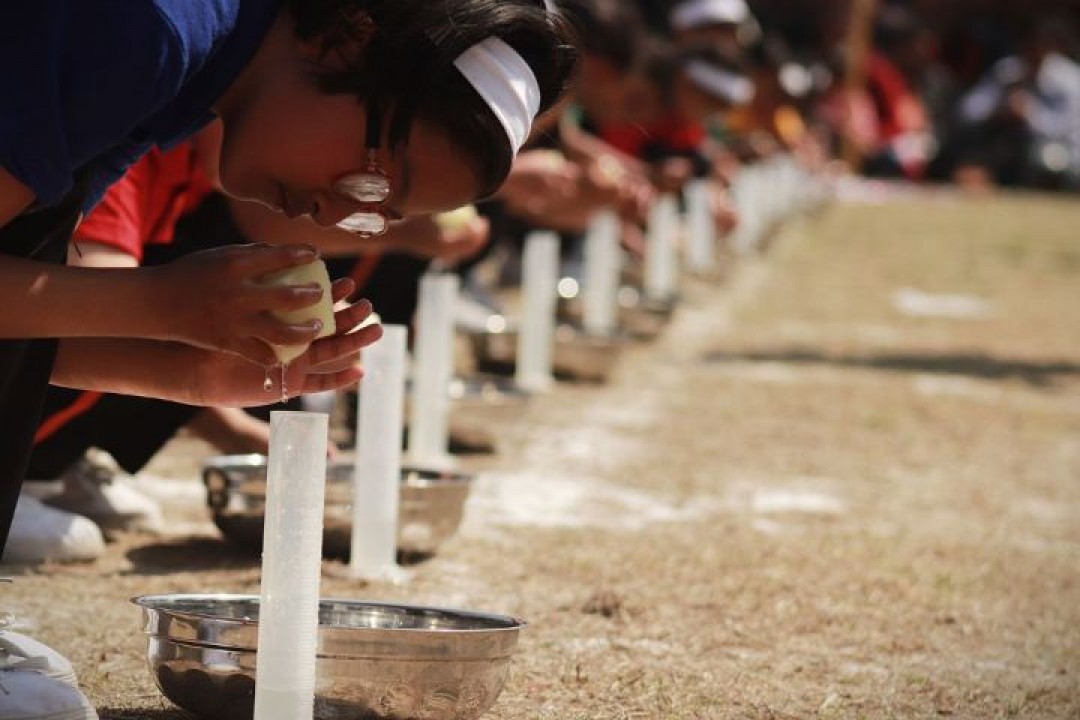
x=568, y=476
x=544, y=500
x=539, y=499
x=914, y=302
x=569, y=479
x=807, y=502
x=776, y=510
x=564, y=477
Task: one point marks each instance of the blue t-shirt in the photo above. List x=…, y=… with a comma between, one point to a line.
x=91, y=85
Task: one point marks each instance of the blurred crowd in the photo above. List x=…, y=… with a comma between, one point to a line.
x=980, y=93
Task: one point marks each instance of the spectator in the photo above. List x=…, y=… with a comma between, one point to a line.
x=1020, y=125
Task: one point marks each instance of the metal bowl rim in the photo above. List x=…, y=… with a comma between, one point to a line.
x=502, y=388
x=411, y=474
x=567, y=333
x=512, y=623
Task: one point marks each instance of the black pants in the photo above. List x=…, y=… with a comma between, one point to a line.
x=26, y=365
x=131, y=429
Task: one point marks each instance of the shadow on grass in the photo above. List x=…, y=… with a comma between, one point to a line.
x=973, y=365
x=11, y=571
x=189, y=555
x=185, y=555
x=150, y=714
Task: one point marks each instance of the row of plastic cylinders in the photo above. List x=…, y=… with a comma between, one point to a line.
x=292, y=548
x=764, y=194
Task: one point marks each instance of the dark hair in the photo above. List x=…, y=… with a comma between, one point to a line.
x=399, y=55
x=611, y=29
x=658, y=63
x=895, y=26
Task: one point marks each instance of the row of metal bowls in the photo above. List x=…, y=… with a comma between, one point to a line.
x=431, y=506
x=638, y=318
x=575, y=354
x=374, y=661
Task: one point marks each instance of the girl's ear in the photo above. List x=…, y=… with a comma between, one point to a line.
x=341, y=44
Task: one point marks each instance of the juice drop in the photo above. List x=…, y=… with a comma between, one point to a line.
x=284, y=389
x=268, y=384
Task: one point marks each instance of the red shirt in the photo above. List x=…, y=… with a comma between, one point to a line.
x=899, y=110
x=671, y=133
x=142, y=208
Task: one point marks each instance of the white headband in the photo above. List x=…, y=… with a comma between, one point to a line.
x=695, y=13
x=733, y=88
x=507, y=84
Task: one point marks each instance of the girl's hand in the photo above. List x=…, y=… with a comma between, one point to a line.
x=538, y=181
x=332, y=363
x=464, y=242
x=214, y=301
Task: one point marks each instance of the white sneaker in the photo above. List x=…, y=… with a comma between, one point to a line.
x=96, y=488
x=39, y=533
x=38, y=683
x=48, y=661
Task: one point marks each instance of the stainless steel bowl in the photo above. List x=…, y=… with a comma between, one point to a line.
x=374, y=661
x=638, y=319
x=575, y=355
x=584, y=357
x=643, y=319
x=431, y=506
x=498, y=401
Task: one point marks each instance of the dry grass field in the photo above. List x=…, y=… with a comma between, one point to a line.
x=845, y=483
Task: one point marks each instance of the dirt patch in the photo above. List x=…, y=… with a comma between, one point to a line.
x=800, y=502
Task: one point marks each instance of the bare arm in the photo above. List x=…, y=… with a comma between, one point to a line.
x=178, y=373
x=209, y=299
x=133, y=367
x=189, y=375
x=231, y=430
x=44, y=300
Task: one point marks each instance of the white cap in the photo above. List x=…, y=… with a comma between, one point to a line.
x=506, y=83
x=724, y=84
x=797, y=80
x=695, y=13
